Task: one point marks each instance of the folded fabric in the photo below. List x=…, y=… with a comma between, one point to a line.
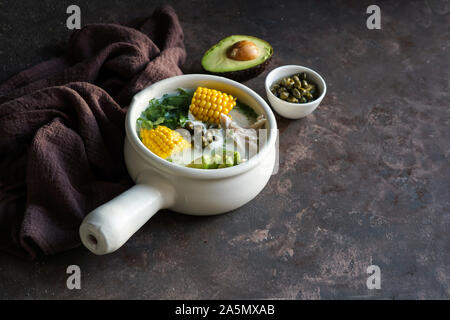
x=62, y=129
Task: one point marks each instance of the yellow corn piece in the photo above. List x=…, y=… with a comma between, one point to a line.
x=208, y=104
x=163, y=141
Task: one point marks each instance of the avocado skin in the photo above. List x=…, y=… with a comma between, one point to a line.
x=243, y=75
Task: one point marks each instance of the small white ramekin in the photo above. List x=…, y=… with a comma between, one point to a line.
x=288, y=109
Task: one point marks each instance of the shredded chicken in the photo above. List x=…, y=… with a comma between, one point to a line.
x=259, y=123
x=245, y=139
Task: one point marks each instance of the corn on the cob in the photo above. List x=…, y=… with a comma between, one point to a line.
x=163, y=141
x=208, y=104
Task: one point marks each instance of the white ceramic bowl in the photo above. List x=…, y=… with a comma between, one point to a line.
x=162, y=184
x=288, y=109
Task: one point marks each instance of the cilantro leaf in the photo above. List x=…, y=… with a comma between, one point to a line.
x=170, y=110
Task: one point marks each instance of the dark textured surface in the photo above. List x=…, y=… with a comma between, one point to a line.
x=363, y=180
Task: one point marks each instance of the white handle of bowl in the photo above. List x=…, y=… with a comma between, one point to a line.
x=108, y=227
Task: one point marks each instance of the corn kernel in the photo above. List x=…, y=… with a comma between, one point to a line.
x=208, y=104
x=163, y=141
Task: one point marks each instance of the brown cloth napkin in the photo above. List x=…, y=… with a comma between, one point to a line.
x=62, y=129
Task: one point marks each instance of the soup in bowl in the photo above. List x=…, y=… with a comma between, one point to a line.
x=198, y=186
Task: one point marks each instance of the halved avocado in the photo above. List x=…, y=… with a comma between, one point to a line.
x=238, y=57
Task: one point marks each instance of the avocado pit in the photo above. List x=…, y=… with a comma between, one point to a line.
x=243, y=50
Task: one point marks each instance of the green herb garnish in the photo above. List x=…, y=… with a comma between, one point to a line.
x=171, y=111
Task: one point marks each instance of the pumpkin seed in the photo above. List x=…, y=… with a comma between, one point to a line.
x=292, y=99
x=295, y=89
x=284, y=95
x=296, y=93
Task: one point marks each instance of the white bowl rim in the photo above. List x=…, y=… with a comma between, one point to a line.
x=172, y=168
x=304, y=69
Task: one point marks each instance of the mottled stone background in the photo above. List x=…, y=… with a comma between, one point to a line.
x=364, y=180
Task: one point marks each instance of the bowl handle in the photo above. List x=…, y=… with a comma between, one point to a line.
x=108, y=227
